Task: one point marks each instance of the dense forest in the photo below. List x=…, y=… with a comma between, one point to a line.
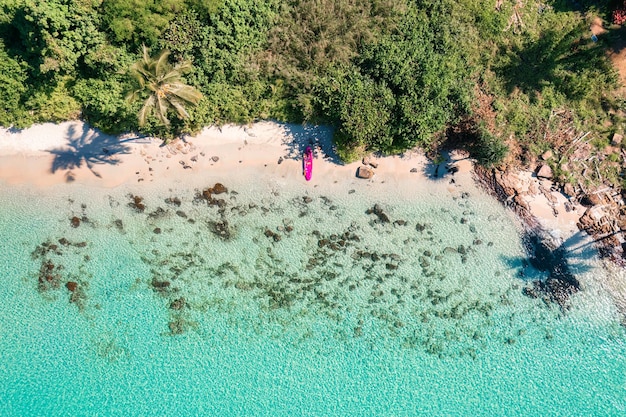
x=388, y=74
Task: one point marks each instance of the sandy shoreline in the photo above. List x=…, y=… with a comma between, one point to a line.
x=73, y=153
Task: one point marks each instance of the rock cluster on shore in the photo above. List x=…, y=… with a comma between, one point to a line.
x=604, y=218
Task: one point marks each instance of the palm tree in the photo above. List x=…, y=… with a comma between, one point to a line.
x=163, y=83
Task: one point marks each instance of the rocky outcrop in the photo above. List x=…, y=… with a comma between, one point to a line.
x=544, y=171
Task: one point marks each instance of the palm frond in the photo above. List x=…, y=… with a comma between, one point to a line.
x=161, y=66
x=186, y=92
x=180, y=108
x=145, y=110
x=161, y=110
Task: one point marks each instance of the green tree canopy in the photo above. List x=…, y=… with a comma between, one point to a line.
x=165, y=90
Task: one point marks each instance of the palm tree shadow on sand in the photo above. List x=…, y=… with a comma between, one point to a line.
x=87, y=147
x=551, y=267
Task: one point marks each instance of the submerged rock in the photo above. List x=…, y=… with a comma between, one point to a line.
x=137, y=204
x=378, y=211
x=75, y=222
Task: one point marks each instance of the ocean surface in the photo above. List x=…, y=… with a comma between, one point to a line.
x=288, y=300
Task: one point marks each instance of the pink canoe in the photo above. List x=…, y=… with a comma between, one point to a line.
x=307, y=163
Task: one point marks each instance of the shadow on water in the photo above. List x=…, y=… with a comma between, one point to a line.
x=319, y=138
x=559, y=263
x=87, y=146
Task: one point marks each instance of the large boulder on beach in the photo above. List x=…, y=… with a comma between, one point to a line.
x=364, y=172
x=545, y=171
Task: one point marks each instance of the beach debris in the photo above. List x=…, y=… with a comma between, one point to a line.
x=215, y=158
x=364, y=172
x=413, y=170
x=280, y=160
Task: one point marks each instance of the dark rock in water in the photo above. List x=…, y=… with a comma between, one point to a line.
x=400, y=222
x=71, y=286
x=175, y=201
x=75, y=221
x=463, y=220
x=136, y=203
x=63, y=241
x=427, y=253
x=178, y=304
x=307, y=199
x=159, y=212
x=378, y=211
x=323, y=242
x=420, y=227
x=157, y=231
x=80, y=244
x=221, y=229
x=160, y=285
x=118, y=224
x=177, y=327
x=181, y=213
x=218, y=188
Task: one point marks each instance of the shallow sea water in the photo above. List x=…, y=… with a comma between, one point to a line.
x=341, y=314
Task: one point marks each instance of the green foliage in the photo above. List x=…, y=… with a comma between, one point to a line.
x=162, y=88
x=411, y=85
x=362, y=108
x=487, y=149
x=133, y=22
x=53, y=103
x=12, y=89
x=389, y=74
x=103, y=104
x=54, y=35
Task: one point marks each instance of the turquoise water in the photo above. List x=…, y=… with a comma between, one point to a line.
x=340, y=315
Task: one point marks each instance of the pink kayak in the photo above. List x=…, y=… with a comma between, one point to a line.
x=307, y=163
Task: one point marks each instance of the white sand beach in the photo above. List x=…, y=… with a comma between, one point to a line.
x=74, y=153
